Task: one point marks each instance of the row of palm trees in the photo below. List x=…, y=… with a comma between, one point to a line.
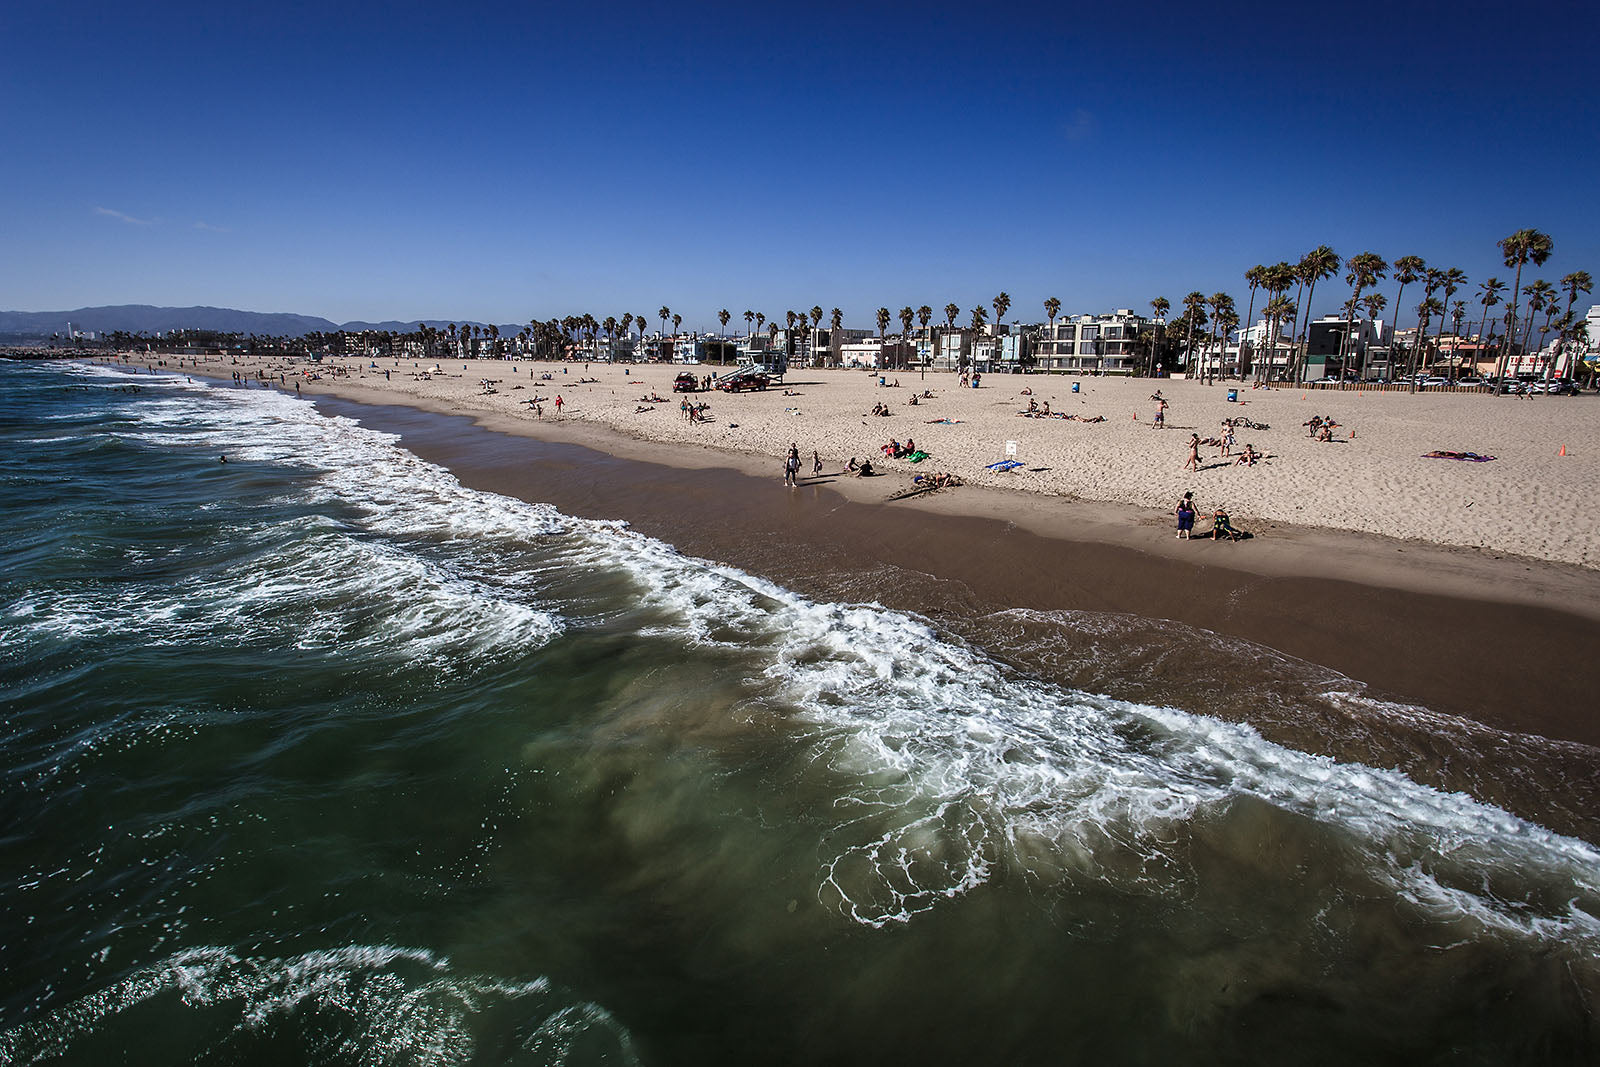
x=1363, y=272
x=1210, y=318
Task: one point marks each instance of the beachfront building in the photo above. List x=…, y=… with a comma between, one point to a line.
x=1089, y=344
x=1367, y=355
x=877, y=352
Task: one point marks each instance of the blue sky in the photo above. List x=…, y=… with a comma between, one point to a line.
x=505, y=162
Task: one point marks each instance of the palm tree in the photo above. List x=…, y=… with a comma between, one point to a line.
x=677, y=320
x=1539, y=293
x=1425, y=311
x=978, y=317
x=1431, y=280
x=1363, y=270
x=883, y=322
x=611, y=335
x=1278, y=309
x=1319, y=264
x=836, y=319
x=723, y=317
x=1193, y=305
x=924, y=316
x=1254, y=276
x=950, y=313
x=1221, y=306
x=1002, y=304
x=664, y=313
x=1374, y=303
x=1158, y=309
x=1407, y=269
x=1576, y=282
x=1451, y=279
x=1521, y=247
x=1488, y=295
x=1276, y=280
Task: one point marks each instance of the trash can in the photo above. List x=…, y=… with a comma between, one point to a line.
x=1074, y=387
x=882, y=381
x=1233, y=396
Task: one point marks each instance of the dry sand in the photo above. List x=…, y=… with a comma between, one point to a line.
x=1530, y=501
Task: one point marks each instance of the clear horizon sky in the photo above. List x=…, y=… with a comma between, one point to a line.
x=506, y=162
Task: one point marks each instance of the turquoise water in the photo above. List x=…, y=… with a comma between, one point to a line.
x=317, y=756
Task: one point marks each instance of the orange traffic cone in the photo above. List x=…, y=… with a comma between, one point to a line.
x=1135, y=416
x=1563, y=451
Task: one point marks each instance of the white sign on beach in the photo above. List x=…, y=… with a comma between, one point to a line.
x=1011, y=448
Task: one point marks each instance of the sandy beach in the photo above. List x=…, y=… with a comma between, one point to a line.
x=1371, y=478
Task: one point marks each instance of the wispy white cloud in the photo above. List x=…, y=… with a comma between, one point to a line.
x=124, y=217
x=210, y=228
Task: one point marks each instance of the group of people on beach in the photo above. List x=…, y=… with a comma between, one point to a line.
x=1321, y=427
x=1221, y=526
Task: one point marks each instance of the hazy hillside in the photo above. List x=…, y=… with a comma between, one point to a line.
x=143, y=318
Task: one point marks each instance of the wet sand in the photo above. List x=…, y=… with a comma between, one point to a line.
x=1257, y=631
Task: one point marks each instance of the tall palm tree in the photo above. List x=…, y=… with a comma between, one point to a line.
x=1361, y=271
x=1193, y=306
x=1158, y=309
x=1002, y=304
x=1221, y=305
x=1319, y=264
x=723, y=317
x=611, y=335
x=1374, y=303
x=907, y=317
x=749, y=317
x=835, y=324
x=1488, y=295
x=1425, y=311
x=950, y=313
x=883, y=322
x=760, y=318
x=1539, y=293
x=1576, y=282
x=979, y=315
x=1276, y=280
x=1407, y=269
x=1451, y=280
x=1052, y=307
x=925, y=316
x=1253, y=277
x=1278, y=309
x=1523, y=246
x=1432, y=278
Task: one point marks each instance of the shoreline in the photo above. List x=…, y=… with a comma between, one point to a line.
x=1452, y=719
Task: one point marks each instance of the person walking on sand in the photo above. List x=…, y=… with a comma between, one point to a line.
x=1193, y=462
x=816, y=463
x=559, y=402
x=1186, y=513
x=1161, y=415
x=791, y=467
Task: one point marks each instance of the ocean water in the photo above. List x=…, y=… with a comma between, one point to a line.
x=317, y=756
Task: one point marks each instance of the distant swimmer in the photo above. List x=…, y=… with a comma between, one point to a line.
x=222, y=459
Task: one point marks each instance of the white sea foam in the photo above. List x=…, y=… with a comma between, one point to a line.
x=392, y=1006
x=948, y=765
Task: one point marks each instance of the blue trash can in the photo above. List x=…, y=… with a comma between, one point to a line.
x=1233, y=395
x=1074, y=387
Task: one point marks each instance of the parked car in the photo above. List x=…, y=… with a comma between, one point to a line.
x=686, y=383
x=745, y=380
x=1432, y=382
x=1562, y=387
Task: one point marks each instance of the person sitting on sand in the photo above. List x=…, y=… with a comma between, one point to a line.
x=913, y=400
x=865, y=470
x=1312, y=425
x=1027, y=392
x=892, y=449
x=1249, y=456
x=1047, y=409
x=852, y=465
x=1033, y=405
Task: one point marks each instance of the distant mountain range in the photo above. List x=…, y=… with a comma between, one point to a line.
x=142, y=318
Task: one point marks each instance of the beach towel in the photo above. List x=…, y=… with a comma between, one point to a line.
x=918, y=456
x=946, y=422
x=1469, y=457
x=1004, y=465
